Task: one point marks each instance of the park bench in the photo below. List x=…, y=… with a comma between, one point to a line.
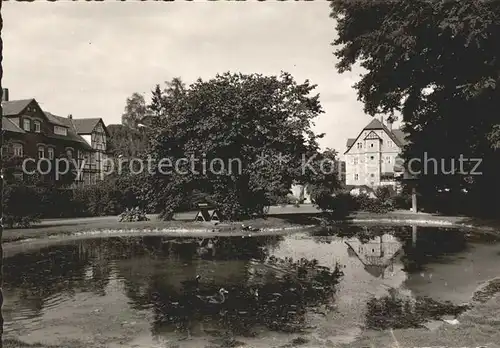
x=207, y=213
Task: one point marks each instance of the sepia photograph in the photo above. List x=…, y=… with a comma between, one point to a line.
x=258, y=174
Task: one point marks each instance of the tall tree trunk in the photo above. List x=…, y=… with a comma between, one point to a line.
x=1, y=182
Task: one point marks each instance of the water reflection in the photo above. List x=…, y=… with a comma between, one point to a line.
x=331, y=281
x=377, y=254
x=431, y=245
x=262, y=290
x=416, y=246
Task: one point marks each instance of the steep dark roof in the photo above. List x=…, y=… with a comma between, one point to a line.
x=9, y=126
x=54, y=119
x=15, y=107
x=401, y=136
x=59, y=120
x=374, y=124
x=85, y=125
x=72, y=133
x=397, y=135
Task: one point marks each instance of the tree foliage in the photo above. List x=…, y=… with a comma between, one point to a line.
x=245, y=122
x=436, y=64
x=135, y=110
x=127, y=142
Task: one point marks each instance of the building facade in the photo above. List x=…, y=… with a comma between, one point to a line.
x=342, y=172
x=372, y=158
x=31, y=133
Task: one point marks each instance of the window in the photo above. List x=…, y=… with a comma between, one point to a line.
x=360, y=146
x=41, y=151
x=371, y=145
x=50, y=152
x=371, y=157
x=69, y=153
x=27, y=125
x=388, y=159
x=86, y=160
x=37, y=126
x=18, y=150
x=356, y=176
x=372, y=175
x=355, y=161
x=60, y=130
x=18, y=176
x=86, y=178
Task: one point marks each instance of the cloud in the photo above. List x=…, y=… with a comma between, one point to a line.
x=87, y=58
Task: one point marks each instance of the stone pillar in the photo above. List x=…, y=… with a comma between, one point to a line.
x=414, y=200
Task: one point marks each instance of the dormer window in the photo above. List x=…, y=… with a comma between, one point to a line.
x=37, y=126
x=60, y=130
x=27, y=125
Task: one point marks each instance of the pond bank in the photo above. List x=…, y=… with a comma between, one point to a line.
x=348, y=324
x=281, y=220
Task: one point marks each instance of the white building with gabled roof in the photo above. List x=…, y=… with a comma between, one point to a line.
x=372, y=158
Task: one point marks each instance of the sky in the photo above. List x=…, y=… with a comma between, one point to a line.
x=85, y=59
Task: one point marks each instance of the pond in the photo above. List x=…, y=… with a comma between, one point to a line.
x=324, y=288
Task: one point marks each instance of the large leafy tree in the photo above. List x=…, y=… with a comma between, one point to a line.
x=135, y=110
x=130, y=139
x=436, y=64
x=239, y=126
x=126, y=141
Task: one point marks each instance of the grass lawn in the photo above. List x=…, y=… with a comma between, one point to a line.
x=174, y=228
x=280, y=217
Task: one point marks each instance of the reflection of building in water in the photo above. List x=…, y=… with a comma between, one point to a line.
x=377, y=255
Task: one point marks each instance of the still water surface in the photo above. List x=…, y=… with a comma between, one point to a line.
x=321, y=288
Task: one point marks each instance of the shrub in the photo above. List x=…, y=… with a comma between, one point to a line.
x=402, y=201
x=385, y=193
x=57, y=203
x=336, y=206
x=109, y=197
x=374, y=205
x=132, y=215
x=21, y=205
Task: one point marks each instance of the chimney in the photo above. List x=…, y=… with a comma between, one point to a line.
x=382, y=119
x=70, y=116
x=5, y=94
